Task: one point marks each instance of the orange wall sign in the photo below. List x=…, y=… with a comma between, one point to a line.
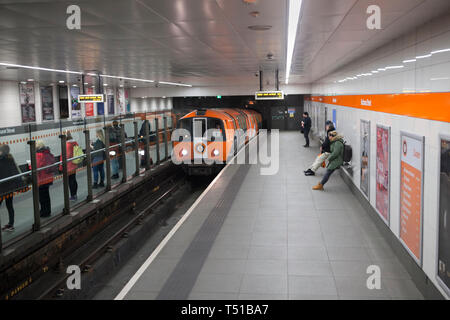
x=431, y=106
x=411, y=193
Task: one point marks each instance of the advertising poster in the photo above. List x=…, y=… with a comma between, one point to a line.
x=444, y=216
x=334, y=118
x=110, y=101
x=89, y=107
x=47, y=103
x=121, y=99
x=383, y=176
x=411, y=182
x=76, y=106
x=365, y=156
x=291, y=112
x=127, y=101
x=27, y=105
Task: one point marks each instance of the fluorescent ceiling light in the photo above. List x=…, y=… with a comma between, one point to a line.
x=23, y=82
x=440, y=51
x=382, y=69
x=37, y=68
x=175, y=84
x=294, y=15
x=124, y=78
x=30, y=80
x=61, y=81
x=437, y=79
x=410, y=60
x=395, y=67
x=374, y=71
x=425, y=56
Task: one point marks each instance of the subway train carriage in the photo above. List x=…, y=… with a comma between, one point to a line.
x=206, y=139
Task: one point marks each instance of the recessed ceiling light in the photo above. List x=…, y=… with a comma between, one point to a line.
x=260, y=27
x=23, y=82
x=121, y=85
x=30, y=80
x=61, y=81
x=134, y=86
x=105, y=84
x=74, y=85
x=86, y=83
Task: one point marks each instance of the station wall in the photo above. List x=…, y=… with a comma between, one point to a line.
x=425, y=84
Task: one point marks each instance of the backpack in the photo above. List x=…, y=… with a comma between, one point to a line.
x=77, y=152
x=348, y=152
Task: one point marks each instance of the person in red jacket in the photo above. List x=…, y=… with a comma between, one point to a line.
x=44, y=158
x=71, y=167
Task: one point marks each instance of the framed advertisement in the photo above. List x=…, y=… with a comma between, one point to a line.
x=89, y=107
x=443, y=234
x=383, y=172
x=365, y=157
x=27, y=103
x=412, y=149
x=76, y=106
x=48, y=113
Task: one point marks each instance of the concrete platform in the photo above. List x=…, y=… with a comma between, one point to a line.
x=271, y=237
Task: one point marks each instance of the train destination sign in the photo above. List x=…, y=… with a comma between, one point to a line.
x=269, y=95
x=86, y=98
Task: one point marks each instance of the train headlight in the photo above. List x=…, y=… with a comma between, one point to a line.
x=200, y=148
x=184, y=152
x=216, y=152
x=112, y=153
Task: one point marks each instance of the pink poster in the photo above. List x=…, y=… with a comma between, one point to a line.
x=90, y=106
x=383, y=172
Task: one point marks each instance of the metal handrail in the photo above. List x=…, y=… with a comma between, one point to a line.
x=15, y=176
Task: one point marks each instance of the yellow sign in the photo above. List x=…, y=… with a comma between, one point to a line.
x=269, y=95
x=86, y=98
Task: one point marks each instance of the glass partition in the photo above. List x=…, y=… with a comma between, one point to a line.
x=16, y=208
x=129, y=150
x=95, y=126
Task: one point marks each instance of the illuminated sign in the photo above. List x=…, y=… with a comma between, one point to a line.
x=269, y=95
x=90, y=98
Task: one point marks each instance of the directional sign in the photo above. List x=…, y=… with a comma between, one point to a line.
x=83, y=98
x=269, y=95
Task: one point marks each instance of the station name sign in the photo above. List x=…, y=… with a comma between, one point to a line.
x=269, y=95
x=86, y=98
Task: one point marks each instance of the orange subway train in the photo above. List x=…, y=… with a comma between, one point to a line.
x=206, y=139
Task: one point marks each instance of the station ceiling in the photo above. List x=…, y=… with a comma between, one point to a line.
x=197, y=42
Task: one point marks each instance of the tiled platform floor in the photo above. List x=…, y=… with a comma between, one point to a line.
x=279, y=240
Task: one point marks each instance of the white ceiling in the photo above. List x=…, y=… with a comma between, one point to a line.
x=199, y=42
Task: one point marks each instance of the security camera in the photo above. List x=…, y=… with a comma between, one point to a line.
x=256, y=74
x=269, y=56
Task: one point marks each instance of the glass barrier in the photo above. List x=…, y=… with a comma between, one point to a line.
x=49, y=170
x=95, y=126
x=17, y=205
x=129, y=149
x=16, y=201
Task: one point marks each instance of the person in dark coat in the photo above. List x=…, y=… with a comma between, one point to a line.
x=98, y=158
x=324, y=151
x=8, y=168
x=306, y=126
x=44, y=158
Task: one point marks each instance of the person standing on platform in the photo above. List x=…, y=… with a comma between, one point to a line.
x=336, y=158
x=98, y=159
x=44, y=158
x=324, y=151
x=114, y=139
x=306, y=126
x=72, y=166
x=8, y=168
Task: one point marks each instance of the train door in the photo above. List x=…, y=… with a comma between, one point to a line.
x=199, y=137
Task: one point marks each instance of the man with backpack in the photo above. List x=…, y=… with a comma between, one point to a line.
x=114, y=139
x=335, y=159
x=324, y=151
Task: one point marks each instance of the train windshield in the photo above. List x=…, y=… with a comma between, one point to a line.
x=197, y=127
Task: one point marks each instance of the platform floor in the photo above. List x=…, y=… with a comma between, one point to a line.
x=272, y=237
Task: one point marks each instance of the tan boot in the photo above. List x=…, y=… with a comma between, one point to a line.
x=319, y=186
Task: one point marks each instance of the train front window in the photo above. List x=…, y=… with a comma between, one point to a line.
x=216, y=132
